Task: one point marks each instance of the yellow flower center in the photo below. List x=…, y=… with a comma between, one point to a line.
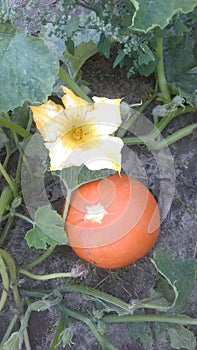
x=77, y=134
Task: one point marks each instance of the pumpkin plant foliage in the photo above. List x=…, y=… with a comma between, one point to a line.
x=179, y=276
x=150, y=14
x=24, y=66
x=29, y=67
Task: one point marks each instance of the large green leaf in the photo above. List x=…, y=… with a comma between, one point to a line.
x=150, y=14
x=28, y=68
x=178, y=336
x=182, y=75
x=48, y=229
x=142, y=332
x=74, y=176
x=180, y=274
x=182, y=338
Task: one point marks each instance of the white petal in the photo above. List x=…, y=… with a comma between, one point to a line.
x=107, y=155
x=104, y=153
x=106, y=116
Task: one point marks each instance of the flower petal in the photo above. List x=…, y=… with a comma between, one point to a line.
x=79, y=133
x=106, y=156
x=106, y=114
x=97, y=154
x=50, y=120
x=106, y=100
x=70, y=100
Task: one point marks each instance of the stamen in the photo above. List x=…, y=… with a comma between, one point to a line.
x=77, y=134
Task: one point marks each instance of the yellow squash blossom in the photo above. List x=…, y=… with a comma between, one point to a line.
x=79, y=133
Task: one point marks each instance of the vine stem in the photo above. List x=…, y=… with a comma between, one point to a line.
x=10, y=264
x=73, y=85
x=40, y=259
x=149, y=138
x=85, y=290
x=127, y=124
x=179, y=319
x=163, y=122
x=9, y=330
x=67, y=203
x=176, y=136
x=6, y=229
x=5, y=283
x=97, y=294
x=15, y=128
x=8, y=179
x=164, y=95
x=45, y=277
x=23, y=217
x=26, y=340
x=81, y=317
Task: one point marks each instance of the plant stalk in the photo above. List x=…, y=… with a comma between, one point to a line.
x=179, y=319
x=73, y=85
x=23, y=217
x=5, y=283
x=149, y=138
x=9, y=180
x=97, y=294
x=15, y=128
x=105, y=345
x=127, y=124
x=10, y=264
x=45, y=277
x=9, y=330
x=40, y=259
x=164, y=94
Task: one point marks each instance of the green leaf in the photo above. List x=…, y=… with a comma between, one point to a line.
x=145, y=55
x=147, y=60
x=21, y=115
x=179, y=336
x=182, y=75
x=14, y=342
x=119, y=58
x=161, y=332
x=147, y=69
x=180, y=274
x=38, y=239
x=73, y=177
x=143, y=333
x=70, y=46
x=150, y=14
x=182, y=338
x=104, y=45
x=28, y=68
x=48, y=229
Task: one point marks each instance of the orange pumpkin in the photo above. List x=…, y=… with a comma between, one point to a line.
x=112, y=222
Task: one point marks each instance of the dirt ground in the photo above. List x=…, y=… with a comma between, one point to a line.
x=177, y=236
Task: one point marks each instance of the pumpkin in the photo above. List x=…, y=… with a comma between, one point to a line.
x=112, y=222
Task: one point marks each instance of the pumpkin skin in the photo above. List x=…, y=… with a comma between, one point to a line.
x=112, y=222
